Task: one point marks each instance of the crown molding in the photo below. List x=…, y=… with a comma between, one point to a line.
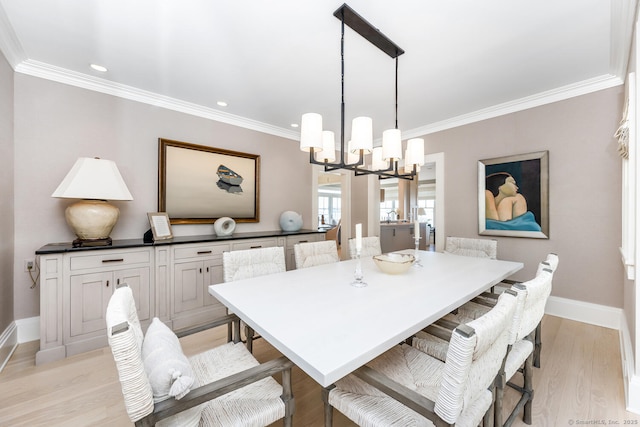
x=559, y=94
x=73, y=78
x=9, y=44
x=623, y=16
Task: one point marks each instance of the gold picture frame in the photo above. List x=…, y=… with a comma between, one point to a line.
x=198, y=184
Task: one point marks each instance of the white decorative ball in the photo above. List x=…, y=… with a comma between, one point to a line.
x=224, y=226
x=290, y=221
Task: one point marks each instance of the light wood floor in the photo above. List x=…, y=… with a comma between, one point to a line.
x=580, y=382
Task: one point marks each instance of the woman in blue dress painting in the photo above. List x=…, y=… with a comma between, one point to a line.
x=505, y=208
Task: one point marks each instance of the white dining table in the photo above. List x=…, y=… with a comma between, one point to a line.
x=329, y=328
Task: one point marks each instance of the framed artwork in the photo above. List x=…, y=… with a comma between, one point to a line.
x=198, y=184
x=513, y=196
x=160, y=225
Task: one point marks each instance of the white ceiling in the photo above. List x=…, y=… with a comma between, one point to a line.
x=271, y=61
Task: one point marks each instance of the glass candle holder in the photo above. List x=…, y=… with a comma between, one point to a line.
x=358, y=277
x=417, y=263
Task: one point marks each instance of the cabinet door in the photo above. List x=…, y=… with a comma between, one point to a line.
x=138, y=280
x=213, y=273
x=88, y=301
x=404, y=239
x=188, y=286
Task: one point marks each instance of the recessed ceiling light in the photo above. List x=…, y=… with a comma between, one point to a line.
x=99, y=68
x=222, y=103
x=294, y=125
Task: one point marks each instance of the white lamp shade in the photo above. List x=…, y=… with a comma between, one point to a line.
x=311, y=132
x=96, y=179
x=328, y=151
x=391, y=144
x=362, y=134
x=415, y=148
x=377, y=162
x=352, y=157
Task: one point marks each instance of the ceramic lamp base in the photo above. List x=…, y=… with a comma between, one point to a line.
x=92, y=222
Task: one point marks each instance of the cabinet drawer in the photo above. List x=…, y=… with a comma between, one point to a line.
x=304, y=238
x=184, y=252
x=109, y=259
x=254, y=244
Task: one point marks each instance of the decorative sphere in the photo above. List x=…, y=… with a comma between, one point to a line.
x=290, y=221
x=224, y=226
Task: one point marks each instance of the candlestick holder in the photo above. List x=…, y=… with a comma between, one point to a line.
x=417, y=263
x=358, y=277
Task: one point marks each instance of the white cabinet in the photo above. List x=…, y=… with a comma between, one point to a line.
x=75, y=289
x=169, y=279
x=195, y=267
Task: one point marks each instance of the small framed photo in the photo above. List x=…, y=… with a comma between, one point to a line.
x=160, y=225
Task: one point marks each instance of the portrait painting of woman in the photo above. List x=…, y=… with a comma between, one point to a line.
x=513, y=199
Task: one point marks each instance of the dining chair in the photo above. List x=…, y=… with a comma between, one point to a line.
x=310, y=254
x=370, y=247
x=405, y=386
x=334, y=234
x=551, y=263
x=222, y=386
x=244, y=264
x=480, y=248
x=520, y=355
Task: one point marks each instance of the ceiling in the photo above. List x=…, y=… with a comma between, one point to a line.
x=272, y=61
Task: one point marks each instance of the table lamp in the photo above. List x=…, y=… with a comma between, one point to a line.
x=94, y=181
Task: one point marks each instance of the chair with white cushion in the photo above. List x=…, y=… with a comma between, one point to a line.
x=405, y=386
x=244, y=264
x=310, y=254
x=480, y=248
x=249, y=263
x=370, y=247
x=222, y=386
x=534, y=294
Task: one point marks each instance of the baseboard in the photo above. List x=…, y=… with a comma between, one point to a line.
x=8, y=344
x=28, y=329
x=630, y=380
x=586, y=312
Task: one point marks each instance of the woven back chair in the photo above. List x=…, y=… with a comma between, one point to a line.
x=480, y=248
x=370, y=247
x=249, y=263
x=310, y=254
x=245, y=264
x=222, y=386
x=404, y=385
x=534, y=294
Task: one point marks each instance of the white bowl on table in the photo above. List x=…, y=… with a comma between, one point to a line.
x=394, y=263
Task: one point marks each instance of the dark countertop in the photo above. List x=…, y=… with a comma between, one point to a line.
x=54, y=248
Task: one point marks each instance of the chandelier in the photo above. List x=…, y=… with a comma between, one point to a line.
x=385, y=159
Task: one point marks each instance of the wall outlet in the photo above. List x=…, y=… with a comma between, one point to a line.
x=29, y=265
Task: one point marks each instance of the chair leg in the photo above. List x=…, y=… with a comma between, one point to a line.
x=249, y=333
x=538, y=346
x=501, y=382
x=328, y=409
x=528, y=387
x=287, y=397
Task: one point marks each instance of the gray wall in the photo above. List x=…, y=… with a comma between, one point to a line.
x=55, y=124
x=6, y=194
x=585, y=195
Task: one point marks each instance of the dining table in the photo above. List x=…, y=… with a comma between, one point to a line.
x=329, y=328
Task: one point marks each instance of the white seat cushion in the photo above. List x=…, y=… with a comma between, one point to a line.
x=257, y=404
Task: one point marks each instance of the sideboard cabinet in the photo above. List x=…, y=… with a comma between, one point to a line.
x=169, y=280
